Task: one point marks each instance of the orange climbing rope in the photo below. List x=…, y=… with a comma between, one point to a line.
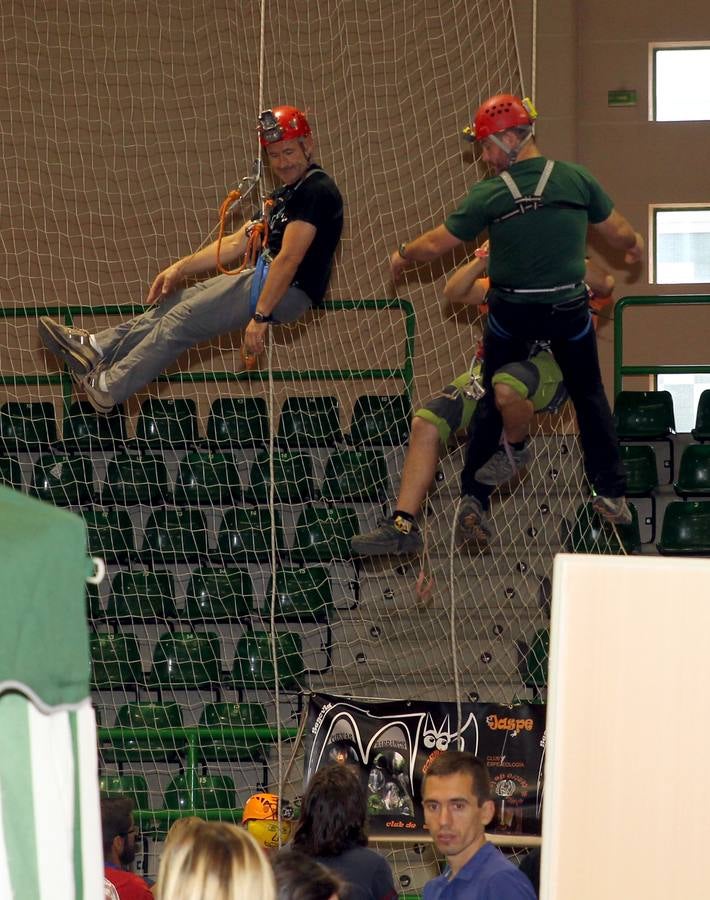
x=257, y=234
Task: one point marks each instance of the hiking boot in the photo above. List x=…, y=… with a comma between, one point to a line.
x=100, y=399
x=73, y=345
x=499, y=467
x=613, y=509
x=472, y=522
x=390, y=538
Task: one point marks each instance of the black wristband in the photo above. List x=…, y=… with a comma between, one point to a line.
x=262, y=319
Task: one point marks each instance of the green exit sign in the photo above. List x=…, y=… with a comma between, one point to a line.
x=621, y=98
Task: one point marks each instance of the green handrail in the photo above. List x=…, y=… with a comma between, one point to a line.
x=647, y=369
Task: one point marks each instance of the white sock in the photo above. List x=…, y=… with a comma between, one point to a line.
x=102, y=382
x=95, y=344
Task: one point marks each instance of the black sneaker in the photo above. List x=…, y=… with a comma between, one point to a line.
x=472, y=522
x=613, y=509
x=499, y=467
x=73, y=345
x=390, y=538
x=101, y=400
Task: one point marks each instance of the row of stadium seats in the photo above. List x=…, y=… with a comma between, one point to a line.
x=215, y=595
x=642, y=475
x=203, y=477
x=191, y=660
x=312, y=421
x=184, y=793
x=649, y=415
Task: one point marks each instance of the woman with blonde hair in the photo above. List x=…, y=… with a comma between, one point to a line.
x=214, y=861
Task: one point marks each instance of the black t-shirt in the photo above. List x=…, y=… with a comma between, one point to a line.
x=367, y=874
x=317, y=200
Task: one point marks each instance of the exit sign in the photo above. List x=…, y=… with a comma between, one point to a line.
x=621, y=98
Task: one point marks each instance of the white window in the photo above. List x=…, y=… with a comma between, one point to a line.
x=686, y=391
x=681, y=244
x=679, y=76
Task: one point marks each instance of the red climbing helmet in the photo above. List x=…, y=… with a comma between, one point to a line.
x=500, y=113
x=282, y=123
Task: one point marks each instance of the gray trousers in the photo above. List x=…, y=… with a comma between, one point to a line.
x=137, y=351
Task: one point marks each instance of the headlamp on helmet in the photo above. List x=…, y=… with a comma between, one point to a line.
x=282, y=123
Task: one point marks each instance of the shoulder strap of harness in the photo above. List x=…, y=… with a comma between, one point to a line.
x=529, y=202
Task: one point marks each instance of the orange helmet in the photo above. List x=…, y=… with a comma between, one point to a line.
x=282, y=123
x=261, y=819
x=500, y=113
x=261, y=807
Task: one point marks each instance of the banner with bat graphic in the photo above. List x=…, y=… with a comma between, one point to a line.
x=392, y=743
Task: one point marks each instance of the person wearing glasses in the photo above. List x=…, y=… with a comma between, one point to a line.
x=120, y=836
x=298, y=232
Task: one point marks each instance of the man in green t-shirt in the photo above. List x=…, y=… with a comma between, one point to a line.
x=537, y=213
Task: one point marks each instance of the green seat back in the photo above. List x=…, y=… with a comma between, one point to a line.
x=536, y=659
x=253, y=666
x=167, y=423
x=232, y=715
x=245, y=535
x=208, y=792
x=132, y=716
x=694, y=471
x=211, y=478
x=686, y=529
x=133, y=478
x=301, y=595
x=238, y=422
x=640, y=465
x=11, y=473
x=85, y=429
x=701, y=432
x=358, y=476
x=309, y=422
x=186, y=659
x=115, y=660
x=133, y=786
x=293, y=477
x=109, y=534
x=590, y=534
x=175, y=536
x=27, y=426
x=644, y=415
x=62, y=479
x=142, y=595
x=323, y=533
x=381, y=420
x=215, y=595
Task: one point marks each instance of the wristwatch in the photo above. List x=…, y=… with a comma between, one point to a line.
x=260, y=317
x=402, y=250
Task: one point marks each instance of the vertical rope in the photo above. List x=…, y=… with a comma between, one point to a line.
x=452, y=620
x=533, y=62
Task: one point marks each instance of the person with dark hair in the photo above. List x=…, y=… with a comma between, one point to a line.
x=298, y=877
x=119, y=839
x=456, y=796
x=332, y=830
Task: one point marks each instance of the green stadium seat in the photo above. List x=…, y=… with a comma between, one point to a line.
x=641, y=476
x=11, y=473
x=175, y=536
x=302, y=595
x=109, y=534
x=133, y=786
x=245, y=535
x=186, y=659
x=536, y=660
x=133, y=478
x=132, y=716
x=94, y=612
x=686, y=529
x=144, y=596
x=27, y=426
x=238, y=422
x=226, y=747
x=309, y=422
x=644, y=415
x=701, y=431
x=323, y=533
x=694, y=472
x=381, y=420
x=167, y=423
x=216, y=595
x=84, y=429
x=208, y=792
x=253, y=667
x=210, y=478
x=115, y=660
x=358, y=476
x=63, y=480
x=590, y=535
x=294, y=481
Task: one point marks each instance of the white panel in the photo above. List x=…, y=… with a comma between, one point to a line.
x=626, y=787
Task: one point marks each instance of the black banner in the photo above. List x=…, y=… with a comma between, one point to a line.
x=393, y=742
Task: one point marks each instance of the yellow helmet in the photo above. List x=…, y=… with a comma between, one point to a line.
x=261, y=819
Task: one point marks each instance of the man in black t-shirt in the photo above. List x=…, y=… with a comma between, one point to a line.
x=303, y=221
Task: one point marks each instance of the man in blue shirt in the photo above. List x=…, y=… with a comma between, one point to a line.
x=456, y=795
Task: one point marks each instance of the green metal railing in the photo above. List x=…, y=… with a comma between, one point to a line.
x=405, y=371
x=620, y=370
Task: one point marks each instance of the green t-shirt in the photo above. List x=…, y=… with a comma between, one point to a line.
x=541, y=248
